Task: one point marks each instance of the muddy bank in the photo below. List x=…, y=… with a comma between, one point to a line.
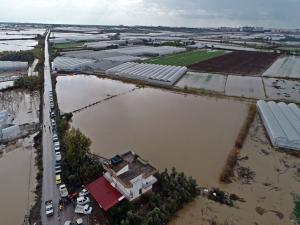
x=268, y=195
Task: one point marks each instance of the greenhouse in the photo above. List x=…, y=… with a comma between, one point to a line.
x=159, y=74
x=70, y=64
x=282, y=123
x=13, y=66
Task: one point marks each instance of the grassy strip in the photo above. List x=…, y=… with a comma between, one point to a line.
x=186, y=58
x=231, y=161
x=68, y=45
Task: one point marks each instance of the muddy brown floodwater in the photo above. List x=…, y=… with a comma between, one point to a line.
x=17, y=170
x=17, y=175
x=192, y=133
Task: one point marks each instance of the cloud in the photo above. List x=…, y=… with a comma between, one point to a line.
x=192, y=13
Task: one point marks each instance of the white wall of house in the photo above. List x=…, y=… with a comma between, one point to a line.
x=139, y=185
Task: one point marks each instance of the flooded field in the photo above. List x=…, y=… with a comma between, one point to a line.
x=84, y=90
x=166, y=128
x=281, y=89
x=16, y=161
x=17, y=175
x=23, y=106
x=193, y=134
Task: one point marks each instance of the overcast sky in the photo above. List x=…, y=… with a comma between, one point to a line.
x=190, y=13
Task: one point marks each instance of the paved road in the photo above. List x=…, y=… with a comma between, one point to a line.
x=50, y=190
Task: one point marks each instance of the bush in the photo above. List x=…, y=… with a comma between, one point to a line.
x=28, y=82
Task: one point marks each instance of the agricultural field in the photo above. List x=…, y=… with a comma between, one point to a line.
x=68, y=45
x=186, y=58
x=244, y=63
x=249, y=87
x=205, y=81
x=280, y=89
x=288, y=67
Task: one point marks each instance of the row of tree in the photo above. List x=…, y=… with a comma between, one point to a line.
x=172, y=191
x=23, y=56
x=79, y=168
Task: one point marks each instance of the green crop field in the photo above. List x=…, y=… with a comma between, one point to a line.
x=186, y=58
x=68, y=45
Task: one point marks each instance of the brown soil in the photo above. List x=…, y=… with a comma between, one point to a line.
x=273, y=176
x=239, y=62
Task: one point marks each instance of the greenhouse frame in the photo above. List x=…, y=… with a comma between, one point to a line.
x=282, y=123
x=159, y=74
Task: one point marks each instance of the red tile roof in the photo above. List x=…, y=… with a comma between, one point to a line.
x=105, y=194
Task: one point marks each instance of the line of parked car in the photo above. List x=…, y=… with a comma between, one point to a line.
x=82, y=199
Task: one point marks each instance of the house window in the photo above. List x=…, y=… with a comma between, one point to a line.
x=140, y=191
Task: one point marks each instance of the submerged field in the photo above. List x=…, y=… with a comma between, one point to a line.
x=195, y=135
x=166, y=128
x=186, y=58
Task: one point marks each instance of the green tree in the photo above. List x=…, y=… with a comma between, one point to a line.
x=155, y=217
x=132, y=218
x=77, y=145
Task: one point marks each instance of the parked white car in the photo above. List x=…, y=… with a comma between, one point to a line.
x=58, y=156
x=83, y=209
x=56, y=146
x=83, y=200
x=49, y=208
x=63, y=190
x=55, y=137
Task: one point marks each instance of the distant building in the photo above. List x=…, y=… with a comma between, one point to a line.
x=130, y=174
x=247, y=29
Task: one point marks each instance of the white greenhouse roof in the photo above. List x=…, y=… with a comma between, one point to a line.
x=70, y=64
x=282, y=123
x=13, y=65
x=159, y=74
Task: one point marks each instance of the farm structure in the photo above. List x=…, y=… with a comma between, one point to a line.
x=285, y=67
x=70, y=64
x=158, y=74
x=245, y=86
x=282, y=123
x=13, y=66
x=205, y=81
x=239, y=62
